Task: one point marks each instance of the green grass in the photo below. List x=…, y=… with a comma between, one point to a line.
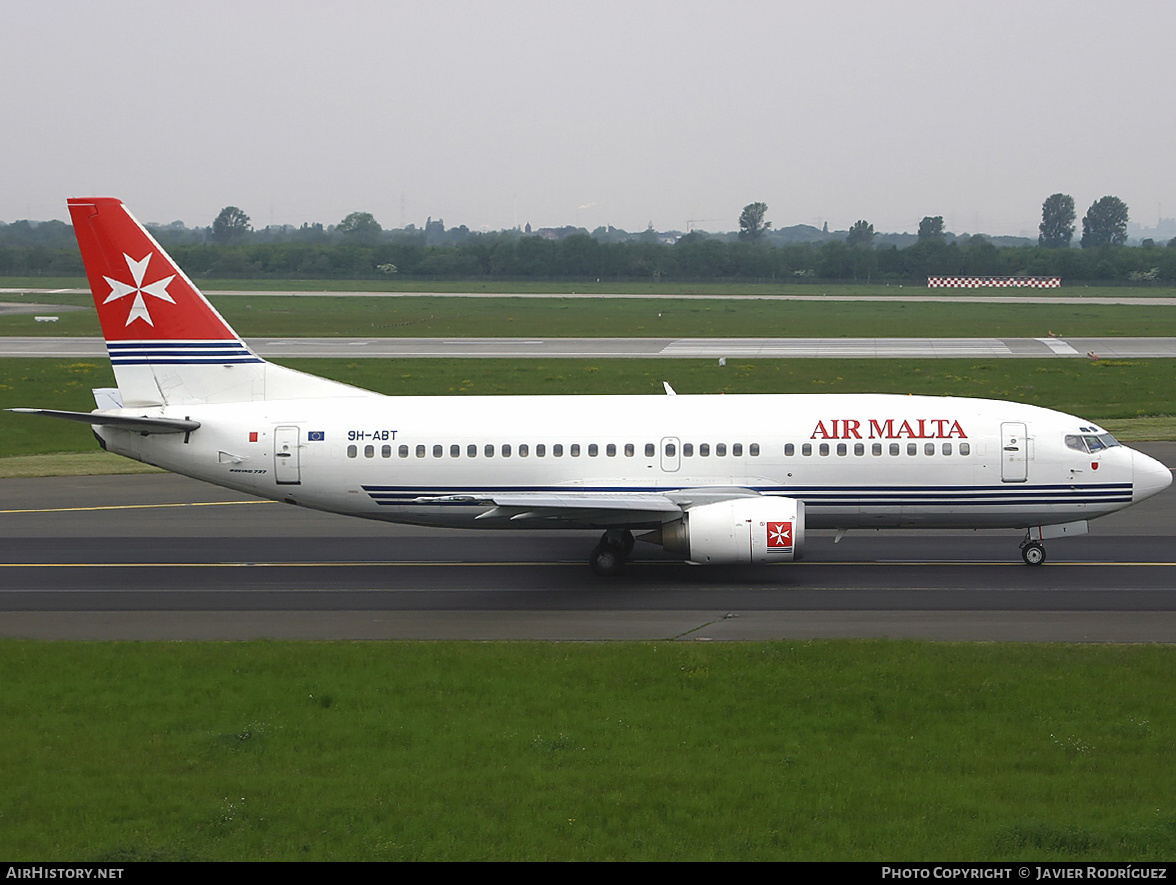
x=48, y=384
x=95, y=463
x=1106, y=391
x=1141, y=429
x=518, y=751
x=440, y=316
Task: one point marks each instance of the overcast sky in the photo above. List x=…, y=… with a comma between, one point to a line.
x=492, y=114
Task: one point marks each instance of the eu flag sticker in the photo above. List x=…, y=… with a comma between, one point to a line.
x=315, y=436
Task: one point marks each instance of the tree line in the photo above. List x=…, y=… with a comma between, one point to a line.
x=358, y=248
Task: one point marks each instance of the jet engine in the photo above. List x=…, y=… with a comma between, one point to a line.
x=738, y=530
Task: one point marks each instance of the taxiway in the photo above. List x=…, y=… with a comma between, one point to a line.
x=159, y=556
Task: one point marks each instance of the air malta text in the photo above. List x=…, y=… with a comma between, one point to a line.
x=890, y=428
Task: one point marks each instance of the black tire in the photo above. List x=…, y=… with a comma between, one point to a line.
x=1033, y=553
x=606, y=560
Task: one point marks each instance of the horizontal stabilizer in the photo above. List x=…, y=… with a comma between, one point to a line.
x=139, y=423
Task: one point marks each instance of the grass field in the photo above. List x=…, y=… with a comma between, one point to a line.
x=517, y=751
x=272, y=315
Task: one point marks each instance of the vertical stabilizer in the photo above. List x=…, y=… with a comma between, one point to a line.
x=167, y=343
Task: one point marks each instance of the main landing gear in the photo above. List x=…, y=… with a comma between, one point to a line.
x=608, y=557
x=1033, y=552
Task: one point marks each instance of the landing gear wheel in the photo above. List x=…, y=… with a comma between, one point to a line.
x=608, y=557
x=1033, y=553
x=606, y=560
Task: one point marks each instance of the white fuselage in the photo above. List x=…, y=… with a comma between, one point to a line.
x=855, y=461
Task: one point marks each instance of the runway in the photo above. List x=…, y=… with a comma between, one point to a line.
x=162, y=557
x=648, y=348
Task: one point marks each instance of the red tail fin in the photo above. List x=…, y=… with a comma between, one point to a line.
x=140, y=293
x=167, y=344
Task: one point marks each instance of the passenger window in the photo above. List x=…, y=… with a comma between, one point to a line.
x=524, y=450
x=894, y=448
x=593, y=451
x=352, y=451
x=824, y=449
x=455, y=451
x=965, y=449
x=912, y=448
x=574, y=450
x=472, y=450
x=947, y=448
x=704, y=450
x=369, y=451
x=506, y=450
x=753, y=450
x=557, y=450
x=611, y=450
x=806, y=449
x=540, y=450
x=859, y=448
x=789, y=450
x=488, y=451
x=737, y=450
x=630, y=450
x=386, y=451
x=438, y=451
x=842, y=450
x=688, y=450
x=650, y=450
x=720, y=450
x=420, y=451
x=876, y=449
x=928, y=448
x=671, y=450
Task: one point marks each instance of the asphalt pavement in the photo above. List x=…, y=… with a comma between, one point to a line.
x=163, y=557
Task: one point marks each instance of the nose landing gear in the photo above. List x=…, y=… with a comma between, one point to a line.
x=1032, y=548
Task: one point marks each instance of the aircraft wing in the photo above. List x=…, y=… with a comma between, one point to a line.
x=568, y=508
x=584, y=508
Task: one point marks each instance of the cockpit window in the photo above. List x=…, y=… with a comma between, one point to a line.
x=1090, y=442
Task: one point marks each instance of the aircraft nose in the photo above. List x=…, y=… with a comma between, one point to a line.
x=1149, y=477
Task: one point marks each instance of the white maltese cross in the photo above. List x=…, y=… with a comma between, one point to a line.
x=779, y=534
x=158, y=289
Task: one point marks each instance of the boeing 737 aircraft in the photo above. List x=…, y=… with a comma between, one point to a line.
x=713, y=479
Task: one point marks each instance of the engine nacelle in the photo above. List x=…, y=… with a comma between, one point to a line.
x=761, y=529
